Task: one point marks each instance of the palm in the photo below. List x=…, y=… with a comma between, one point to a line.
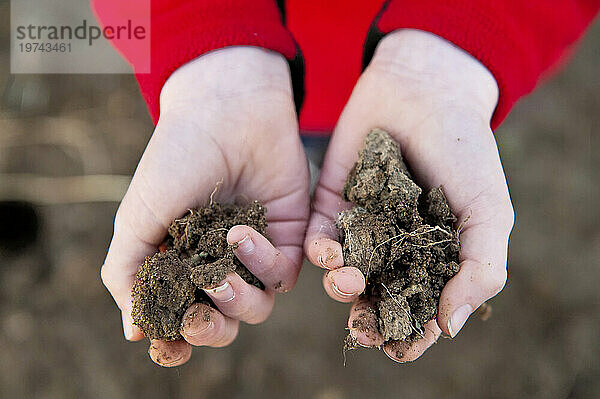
x=228, y=130
x=186, y=160
x=442, y=126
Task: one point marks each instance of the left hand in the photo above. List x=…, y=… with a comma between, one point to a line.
x=436, y=101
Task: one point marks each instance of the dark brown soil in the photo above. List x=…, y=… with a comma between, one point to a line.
x=402, y=239
x=196, y=256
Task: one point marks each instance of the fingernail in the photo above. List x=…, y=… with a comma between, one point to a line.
x=127, y=325
x=198, y=324
x=358, y=341
x=395, y=359
x=362, y=345
x=161, y=357
x=328, y=258
x=222, y=293
x=246, y=245
x=323, y=265
x=321, y=262
x=458, y=319
x=341, y=293
x=398, y=356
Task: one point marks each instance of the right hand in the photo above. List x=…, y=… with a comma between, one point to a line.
x=227, y=116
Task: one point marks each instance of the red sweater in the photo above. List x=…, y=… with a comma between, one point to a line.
x=328, y=42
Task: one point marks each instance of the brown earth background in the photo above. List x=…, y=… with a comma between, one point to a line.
x=60, y=333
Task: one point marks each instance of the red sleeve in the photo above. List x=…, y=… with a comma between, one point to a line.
x=181, y=30
x=517, y=40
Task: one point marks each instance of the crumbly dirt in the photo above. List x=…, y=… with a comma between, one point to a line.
x=195, y=255
x=401, y=238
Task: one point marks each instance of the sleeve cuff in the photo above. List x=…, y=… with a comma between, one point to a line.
x=486, y=31
x=182, y=30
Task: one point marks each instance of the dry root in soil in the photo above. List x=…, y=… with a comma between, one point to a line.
x=402, y=239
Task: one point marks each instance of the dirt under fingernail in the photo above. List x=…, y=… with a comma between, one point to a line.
x=196, y=256
x=400, y=237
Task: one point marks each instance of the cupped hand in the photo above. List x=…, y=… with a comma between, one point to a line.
x=437, y=102
x=227, y=119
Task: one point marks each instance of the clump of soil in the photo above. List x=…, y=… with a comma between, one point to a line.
x=401, y=238
x=195, y=255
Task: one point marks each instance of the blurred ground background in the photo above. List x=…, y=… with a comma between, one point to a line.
x=60, y=333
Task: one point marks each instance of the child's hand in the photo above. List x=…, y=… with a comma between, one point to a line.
x=227, y=116
x=437, y=102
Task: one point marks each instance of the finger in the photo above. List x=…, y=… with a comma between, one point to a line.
x=267, y=263
x=169, y=353
x=363, y=324
x=402, y=351
x=324, y=252
x=242, y=301
x=320, y=245
x=130, y=330
x=287, y=217
x=344, y=284
x=205, y=326
x=482, y=272
x=284, y=192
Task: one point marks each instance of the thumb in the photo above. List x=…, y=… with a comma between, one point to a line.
x=483, y=273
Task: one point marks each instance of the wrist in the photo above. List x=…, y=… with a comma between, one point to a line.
x=438, y=68
x=231, y=73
